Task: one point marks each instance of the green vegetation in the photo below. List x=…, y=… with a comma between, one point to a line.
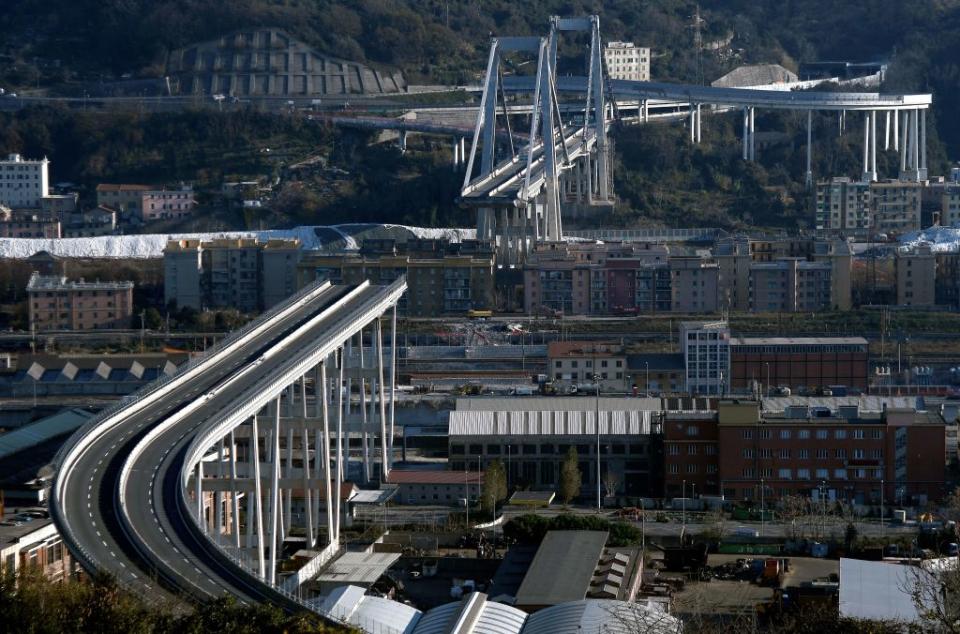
x=494, y=486
x=660, y=178
x=31, y=603
x=531, y=529
x=570, y=476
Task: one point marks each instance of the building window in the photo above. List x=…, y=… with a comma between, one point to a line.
x=858, y=434
x=765, y=434
x=748, y=472
x=821, y=434
x=711, y=468
x=674, y=469
x=766, y=453
x=840, y=474
x=876, y=434
x=691, y=450
x=803, y=434
x=691, y=468
x=785, y=474
x=674, y=450
x=710, y=450
x=840, y=434
x=841, y=453
x=823, y=453
x=859, y=454
x=803, y=454
x=747, y=453
x=803, y=474
x=784, y=434
x=692, y=430
x=747, y=434
x=823, y=473
x=784, y=453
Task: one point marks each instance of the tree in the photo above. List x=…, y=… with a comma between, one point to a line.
x=610, y=483
x=570, y=476
x=494, y=486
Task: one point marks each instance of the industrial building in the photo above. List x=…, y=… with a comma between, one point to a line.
x=798, y=363
x=532, y=436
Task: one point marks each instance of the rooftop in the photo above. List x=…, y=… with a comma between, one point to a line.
x=798, y=341
x=358, y=568
x=60, y=283
x=563, y=568
x=122, y=187
x=557, y=422
x=583, y=348
x=433, y=476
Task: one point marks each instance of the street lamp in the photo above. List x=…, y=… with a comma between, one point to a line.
x=763, y=489
x=596, y=380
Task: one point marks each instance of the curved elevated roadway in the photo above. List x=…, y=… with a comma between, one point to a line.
x=138, y=532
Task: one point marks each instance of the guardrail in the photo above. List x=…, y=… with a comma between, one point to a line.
x=263, y=393
x=106, y=419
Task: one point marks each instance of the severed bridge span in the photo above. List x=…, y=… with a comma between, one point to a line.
x=188, y=488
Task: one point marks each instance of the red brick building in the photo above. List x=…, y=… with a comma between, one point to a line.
x=847, y=453
x=690, y=454
x=798, y=362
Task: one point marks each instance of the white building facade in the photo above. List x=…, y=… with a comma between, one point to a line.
x=626, y=60
x=706, y=352
x=23, y=183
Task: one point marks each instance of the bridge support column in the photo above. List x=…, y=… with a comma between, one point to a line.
x=288, y=494
x=923, y=145
x=904, y=144
x=809, y=176
x=234, y=500
x=746, y=134
x=693, y=122
x=258, y=495
x=895, y=115
x=699, y=119
x=886, y=130
x=364, y=422
x=753, y=136
x=386, y=443
x=305, y=460
x=333, y=517
x=339, y=470
x=402, y=141
x=393, y=367
x=275, y=528
x=869, y=147
x=218, y=495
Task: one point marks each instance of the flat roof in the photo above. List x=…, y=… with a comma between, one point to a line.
x=555, y=422
x=555, y=403
x=358, y=568
x=563, y=568
x=433, y=476
x=877, y=590
x=798, y=341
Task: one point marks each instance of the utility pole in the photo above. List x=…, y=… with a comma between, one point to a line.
x=596, y=379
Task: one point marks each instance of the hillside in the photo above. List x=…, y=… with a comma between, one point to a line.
x=445, y=41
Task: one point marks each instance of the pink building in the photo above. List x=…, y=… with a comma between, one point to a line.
x=59, y=304
x=167, y=204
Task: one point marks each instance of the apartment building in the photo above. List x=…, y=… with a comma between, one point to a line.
x=34, y=543
x=28, y=224
x=866, y=209
x=245, y=274
x=843, y=206
x=706, y=353
x=694, y=284
x=442, y=278
x=843, y=449
x=895, y=206
x=56, y=303
x=626, y=60
x=950, y=205
x=573, y=363
x=916, y=271
x=790, y=285
x=23, y=182
x=145, y=203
